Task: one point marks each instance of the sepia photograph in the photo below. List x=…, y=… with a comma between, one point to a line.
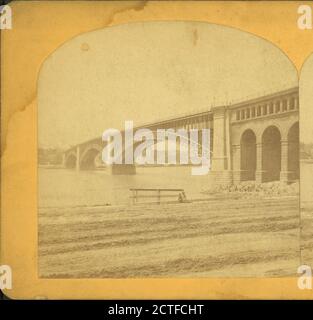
x=168, y=149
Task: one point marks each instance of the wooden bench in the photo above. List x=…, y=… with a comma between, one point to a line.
x=158, y=194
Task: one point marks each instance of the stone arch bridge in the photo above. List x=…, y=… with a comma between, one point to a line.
x=257, y=139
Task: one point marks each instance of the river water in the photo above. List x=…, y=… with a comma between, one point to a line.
x=65, y=187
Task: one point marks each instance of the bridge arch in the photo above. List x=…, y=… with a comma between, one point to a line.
x=271, y=153
x=248, y=155
x=293, y=151
x=90, y=156
x=173, y=150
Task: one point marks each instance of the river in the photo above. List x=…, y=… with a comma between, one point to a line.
x=65, y=187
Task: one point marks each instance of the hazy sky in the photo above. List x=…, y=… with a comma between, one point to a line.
x=306, y=102
x=151, y=71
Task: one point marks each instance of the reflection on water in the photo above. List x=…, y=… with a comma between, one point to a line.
x=64, y=187
x=306, y=183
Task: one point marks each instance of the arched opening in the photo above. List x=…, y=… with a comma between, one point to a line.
x=293, y=151
x=271, y=154
x=248, y=155
x=70, y=162
x=89, y=160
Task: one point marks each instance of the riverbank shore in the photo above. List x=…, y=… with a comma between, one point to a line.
x=232, y=237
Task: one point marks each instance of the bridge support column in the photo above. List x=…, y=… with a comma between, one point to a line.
x=221, y=172
x=236, y=163
x=63, y=160
x=78, y=158
x=284, y=173
x=259, y=174
x=120, y=169
x=219, y=159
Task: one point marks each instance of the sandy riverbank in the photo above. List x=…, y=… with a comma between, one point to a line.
x=229, y=237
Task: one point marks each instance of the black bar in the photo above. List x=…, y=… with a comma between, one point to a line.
x=156, y=309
